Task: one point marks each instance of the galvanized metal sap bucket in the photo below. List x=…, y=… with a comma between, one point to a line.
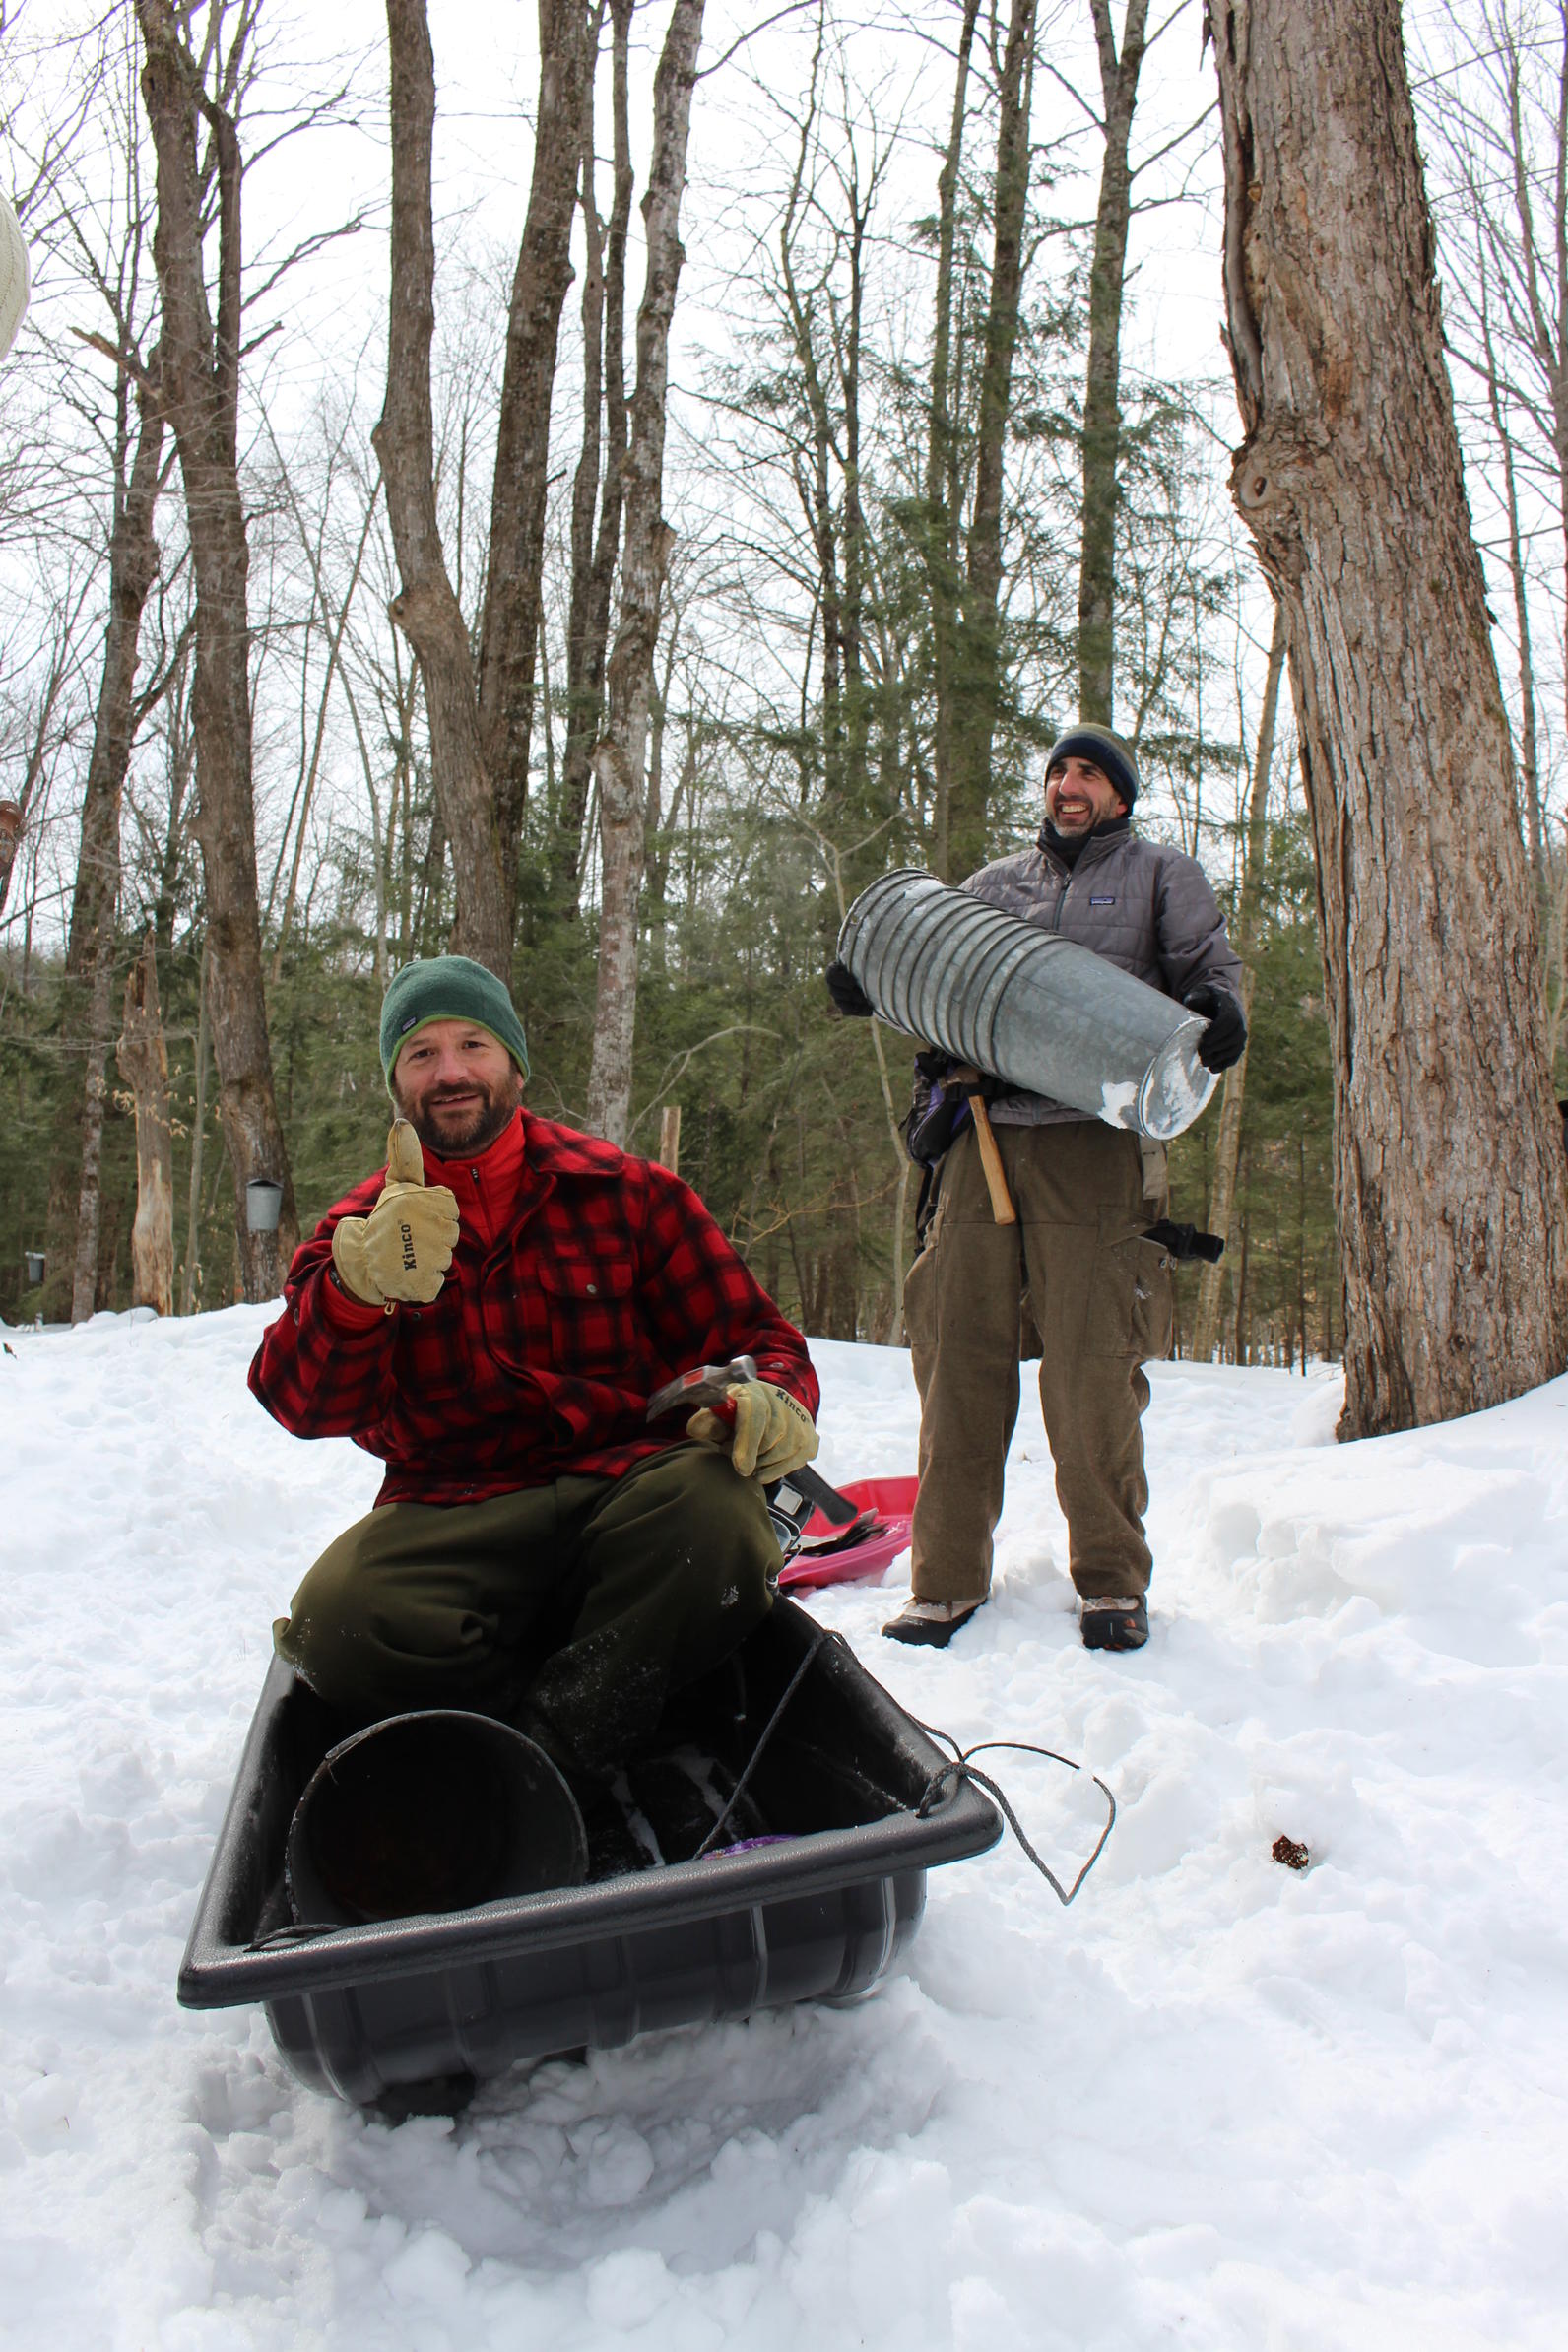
x=1025, y=1006
x=432, y=1811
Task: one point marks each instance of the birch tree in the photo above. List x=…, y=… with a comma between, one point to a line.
x=620, y=755
x=599, y=480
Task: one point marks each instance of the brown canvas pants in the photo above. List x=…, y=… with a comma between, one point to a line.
x=573, y=1609
x=1100, y=1296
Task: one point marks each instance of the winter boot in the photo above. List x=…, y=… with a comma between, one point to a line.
x=1114, y=1624
x=932, y=1623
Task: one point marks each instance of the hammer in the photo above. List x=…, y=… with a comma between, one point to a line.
x=710, y=1385
x=1002, y=1208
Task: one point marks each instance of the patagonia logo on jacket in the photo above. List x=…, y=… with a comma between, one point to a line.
x=1102, y=903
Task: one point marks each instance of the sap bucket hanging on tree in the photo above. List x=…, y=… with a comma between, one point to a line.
x=1025, y=1006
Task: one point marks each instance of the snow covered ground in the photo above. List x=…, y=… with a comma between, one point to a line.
x=1216, y=2102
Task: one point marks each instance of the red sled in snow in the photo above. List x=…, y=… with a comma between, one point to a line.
x=830, y=1551
x=829, y=1535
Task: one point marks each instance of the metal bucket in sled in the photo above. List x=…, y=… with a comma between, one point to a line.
x=434, y=1811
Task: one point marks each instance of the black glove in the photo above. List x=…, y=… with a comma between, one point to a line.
x=847, y=993
x=936, y=1068
x=1186, y=1242
x=936, y=1121
x=1225, y=1039
x=930, y=1133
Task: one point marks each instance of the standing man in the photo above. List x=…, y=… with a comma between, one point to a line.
x=1099, y=1289
x=489, y=1316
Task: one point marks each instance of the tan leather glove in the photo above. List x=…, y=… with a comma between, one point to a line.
x=400, y=1253
x=773, y=1433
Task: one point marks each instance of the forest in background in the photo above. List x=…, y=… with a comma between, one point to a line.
x=884, y=599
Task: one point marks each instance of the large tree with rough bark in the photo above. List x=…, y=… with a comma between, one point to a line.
x=480, y=709
x=508, y=641
x=1452, y=1193
x=199, y=167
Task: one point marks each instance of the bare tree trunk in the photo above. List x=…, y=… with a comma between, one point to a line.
x=143, y=1060
x=977, y=685
x=425, y=609
x=12, y=820
x=827, y=330
x=1103, y=392
x=199, y=389
x=1244, y=938
x=593, y=556
x=90, y=946
x=198, y=1145
x=943, y=484
x=335, y=625
x=857, y=204
x=619, y=757
x=509, y=628
x=85, y=1250
x=1240, y=1348
x=1528, y=732
x=1451, y=1189
x=14, y=813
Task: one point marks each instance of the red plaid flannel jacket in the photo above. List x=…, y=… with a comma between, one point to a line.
x=537, y=1358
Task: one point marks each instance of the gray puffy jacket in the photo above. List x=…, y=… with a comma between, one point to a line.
x=1137, y=903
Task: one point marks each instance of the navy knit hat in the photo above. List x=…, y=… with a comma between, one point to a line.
x=1107, y=751
x=448, y=988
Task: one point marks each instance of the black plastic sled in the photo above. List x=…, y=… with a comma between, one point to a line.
x=819, y=1885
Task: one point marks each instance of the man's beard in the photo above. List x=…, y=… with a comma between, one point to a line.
x=459, y=1138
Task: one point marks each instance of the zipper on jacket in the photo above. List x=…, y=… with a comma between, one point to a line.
x=1087, y=851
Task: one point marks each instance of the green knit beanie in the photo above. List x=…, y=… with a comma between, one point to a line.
x=1108, y=752
x=448, y=988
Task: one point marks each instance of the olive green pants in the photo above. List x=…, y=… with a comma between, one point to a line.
x=573, y=1609
x=1100, y=1298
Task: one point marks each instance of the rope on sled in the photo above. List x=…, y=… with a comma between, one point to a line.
x=941, y=1783
x=818, y=1636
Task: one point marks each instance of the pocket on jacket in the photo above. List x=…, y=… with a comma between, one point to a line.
x=433, y=1360
x=593, y=1324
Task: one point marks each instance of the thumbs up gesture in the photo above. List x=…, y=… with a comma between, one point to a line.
x=401, y=1251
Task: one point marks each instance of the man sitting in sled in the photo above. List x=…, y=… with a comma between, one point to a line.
x=489, y=1316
